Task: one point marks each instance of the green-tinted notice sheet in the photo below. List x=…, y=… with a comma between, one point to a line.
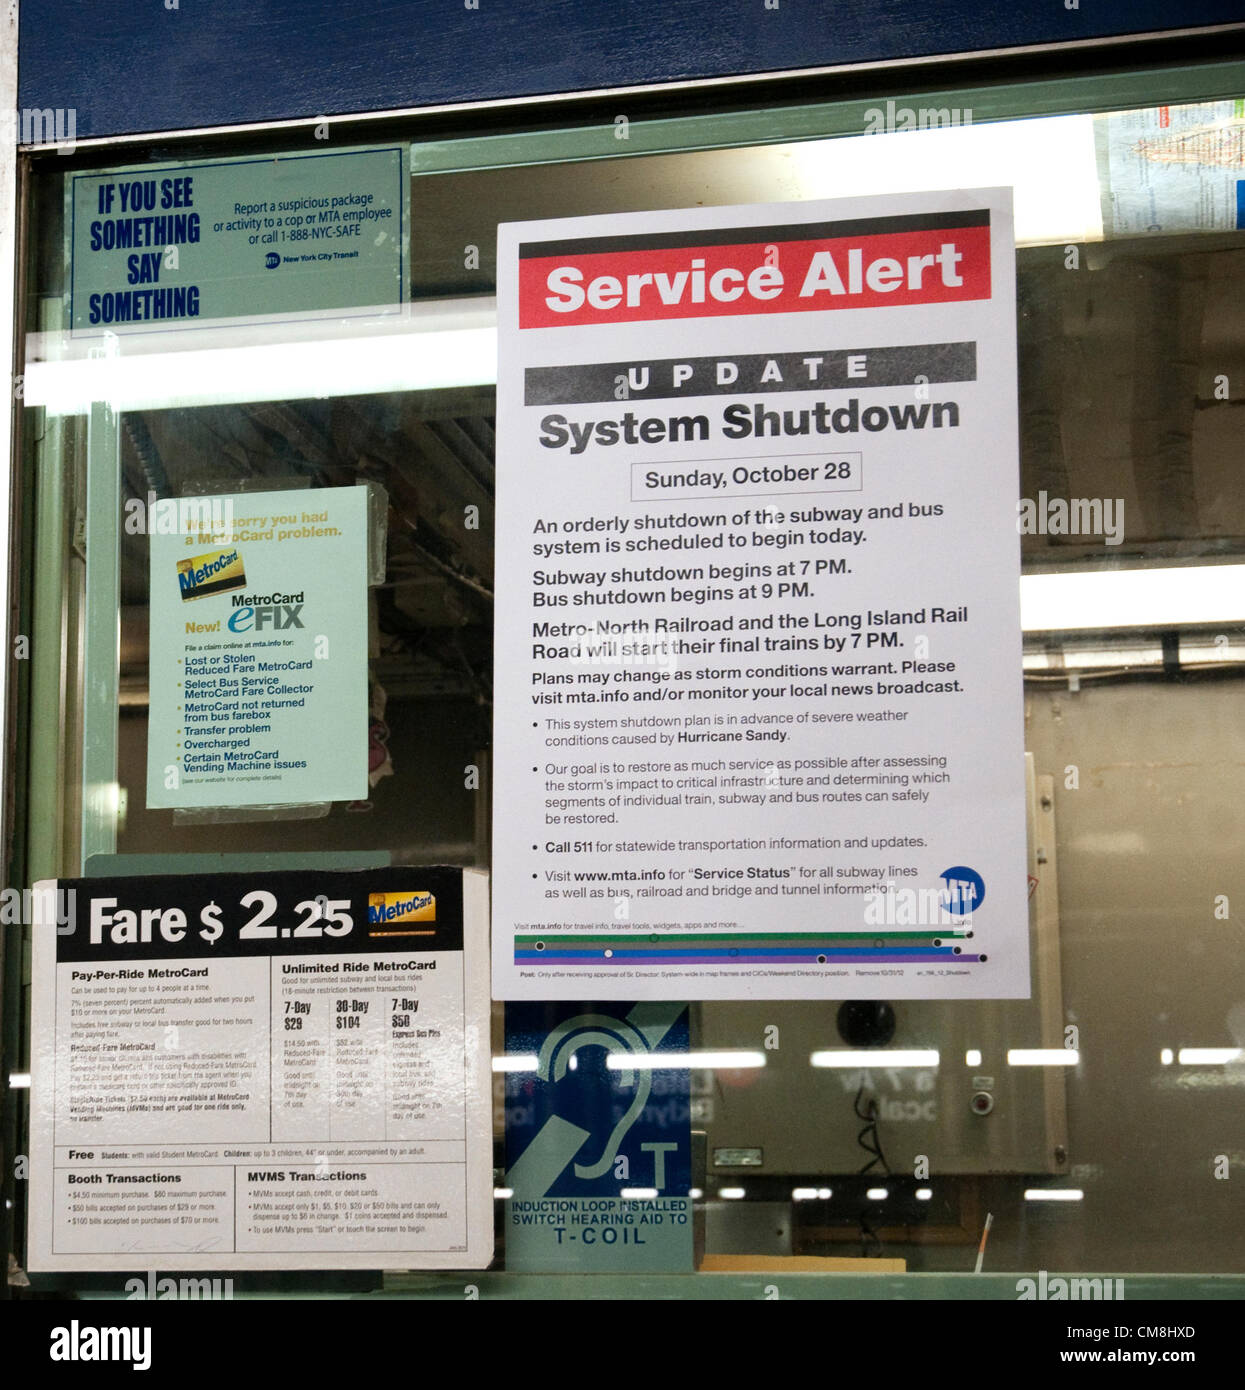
x=258, y=672
x=259, y=239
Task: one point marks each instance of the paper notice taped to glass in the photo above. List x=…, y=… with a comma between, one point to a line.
x=757, y=656
x=1172, y=168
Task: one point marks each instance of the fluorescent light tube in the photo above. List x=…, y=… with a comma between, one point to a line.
x=1169, y=596
x=1048, y=161
x=875, y=1057
x=698, y=1061
x=516, y=1062
x=1042, y=1056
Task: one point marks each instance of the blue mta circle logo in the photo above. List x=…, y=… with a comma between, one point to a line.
x=272, y=260
x=963, y=892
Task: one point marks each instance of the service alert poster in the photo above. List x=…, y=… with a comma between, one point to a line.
x=759, y=729
x=268, y=1071
x=258, y=647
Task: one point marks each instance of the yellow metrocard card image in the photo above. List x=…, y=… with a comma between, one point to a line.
x=217, y=572
x=390, y=912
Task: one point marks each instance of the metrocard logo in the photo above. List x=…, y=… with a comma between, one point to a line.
x=394, y=909
x=217, y=572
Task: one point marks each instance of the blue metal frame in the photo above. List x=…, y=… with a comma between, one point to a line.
x=122, y=67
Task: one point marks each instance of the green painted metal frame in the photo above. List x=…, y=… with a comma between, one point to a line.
x=819, y=1287
x=45, y=776
x=102, y=623
x=259, y=862
x=786, y=124
x=494, y=1286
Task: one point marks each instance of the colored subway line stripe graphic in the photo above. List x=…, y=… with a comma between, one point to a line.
x=749, y=938
x=744, y=956
x=822, y=948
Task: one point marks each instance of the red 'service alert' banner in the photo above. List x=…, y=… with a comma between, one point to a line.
x=707, y=278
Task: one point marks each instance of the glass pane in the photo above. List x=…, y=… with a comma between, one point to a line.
x=1094, y=1124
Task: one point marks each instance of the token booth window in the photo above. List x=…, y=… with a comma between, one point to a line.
x=1092, y=1122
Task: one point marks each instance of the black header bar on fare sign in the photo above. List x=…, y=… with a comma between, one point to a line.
x=748, y=236
x=728, y=374
x=197, y=916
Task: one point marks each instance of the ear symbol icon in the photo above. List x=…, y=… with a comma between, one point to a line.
x=618, y=1038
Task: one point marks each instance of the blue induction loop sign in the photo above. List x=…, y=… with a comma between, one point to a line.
x=598, y=1137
